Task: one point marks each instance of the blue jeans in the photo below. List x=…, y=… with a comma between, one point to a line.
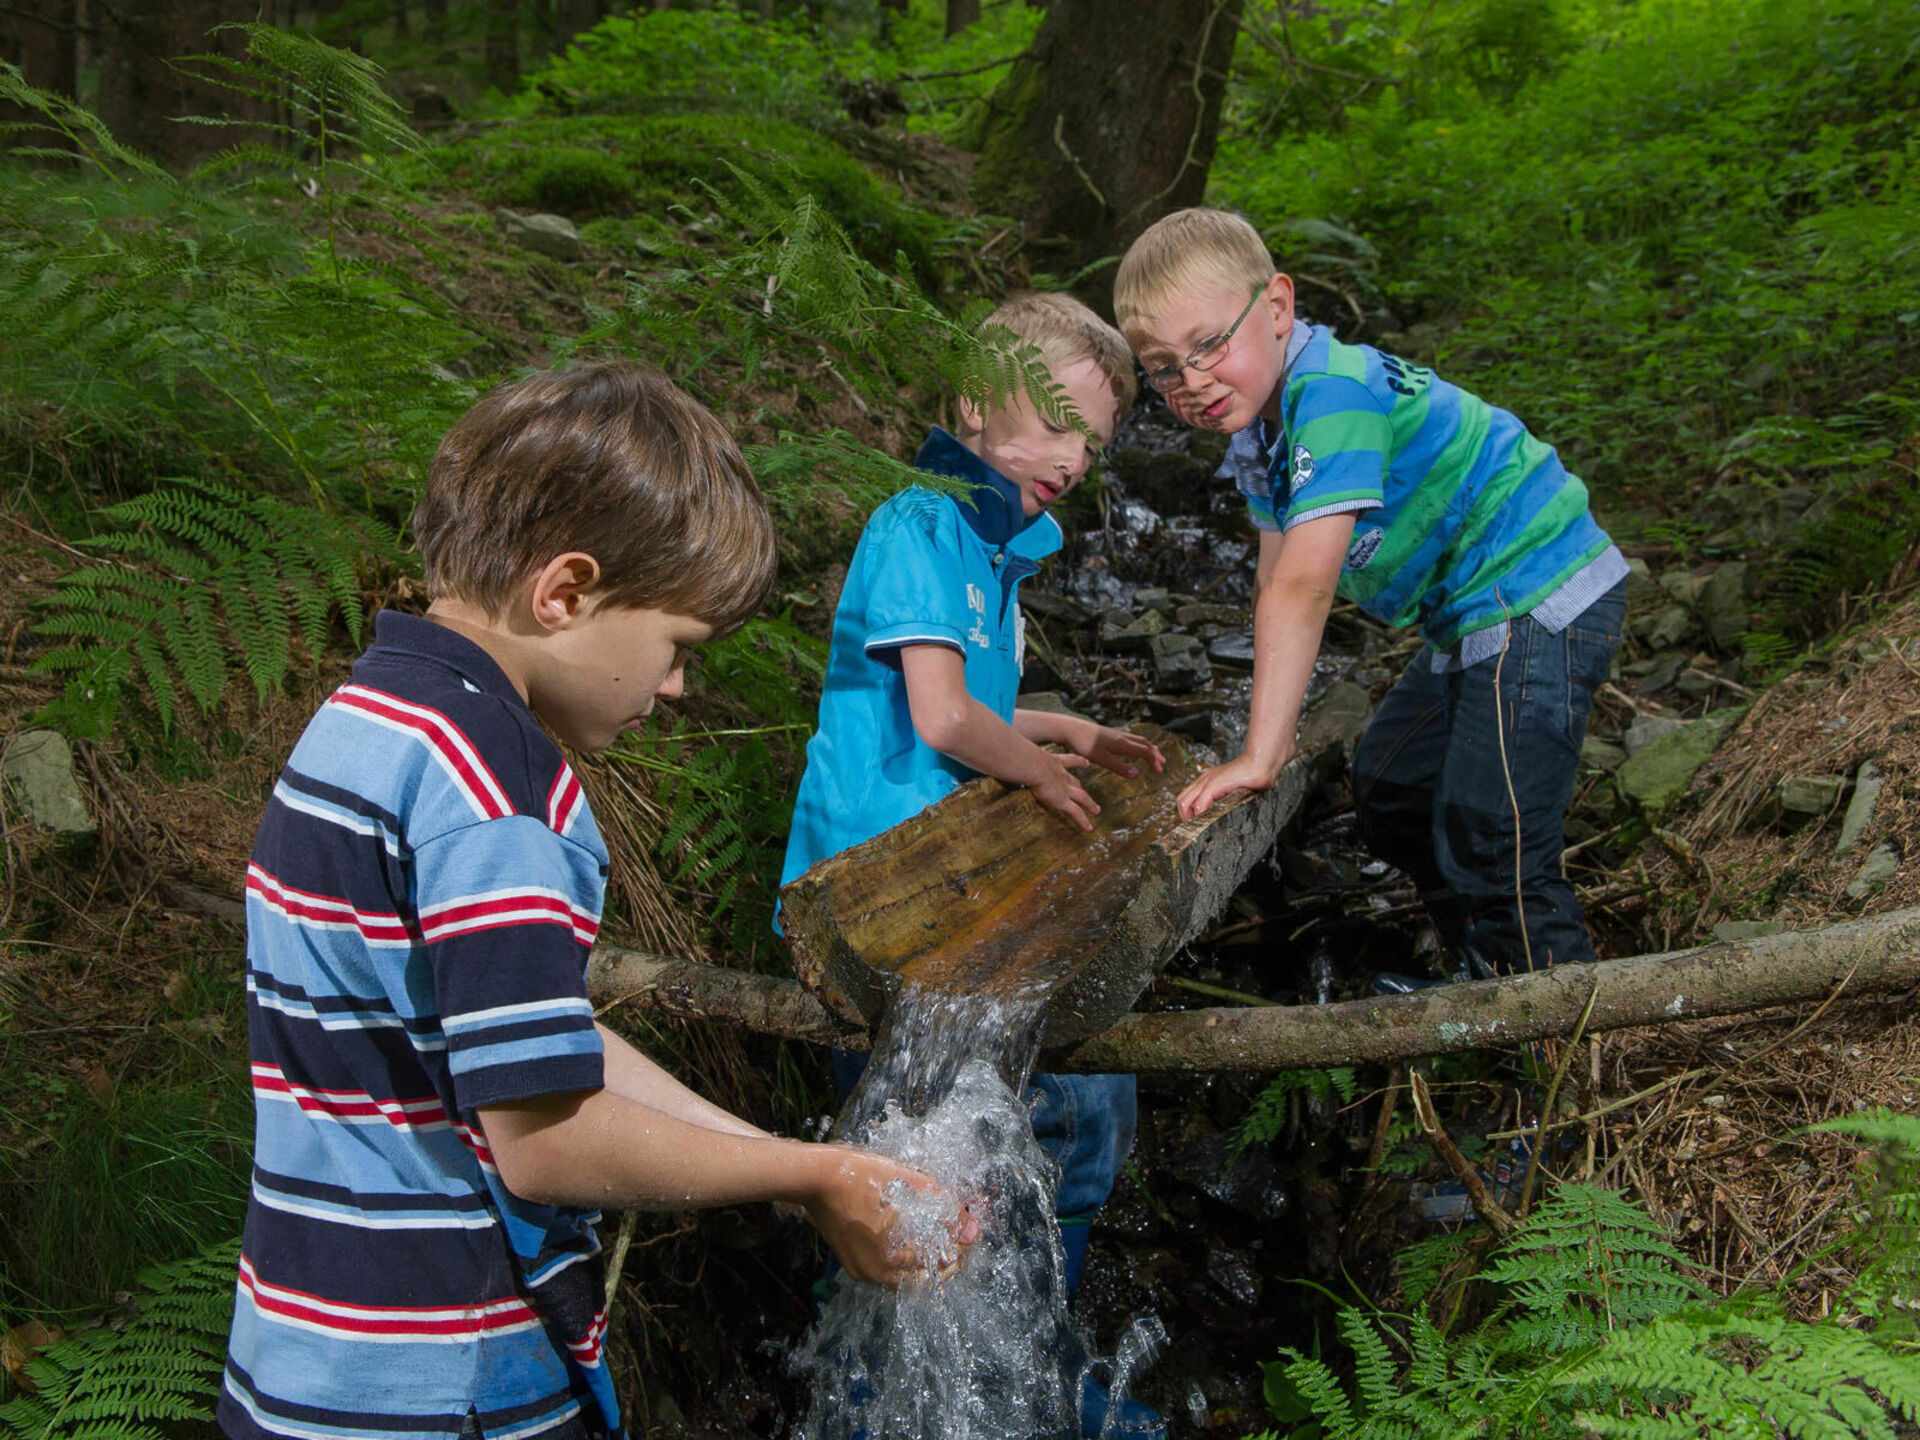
x=1086, y=1123
x=1432, y=787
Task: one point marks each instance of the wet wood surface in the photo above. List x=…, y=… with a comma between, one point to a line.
x=989, y=892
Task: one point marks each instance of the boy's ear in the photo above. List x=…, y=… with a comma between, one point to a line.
x=558, y=595
x=1280, y=300
x=972, y=419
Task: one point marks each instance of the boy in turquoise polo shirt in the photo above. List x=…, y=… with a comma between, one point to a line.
x=1372, y=479
x=925, y=664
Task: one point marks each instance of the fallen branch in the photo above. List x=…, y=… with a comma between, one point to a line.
x=1881, y=953
x=1874, y=955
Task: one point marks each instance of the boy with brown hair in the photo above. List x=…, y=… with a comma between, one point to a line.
x=1371, y=478
x=439, y=1116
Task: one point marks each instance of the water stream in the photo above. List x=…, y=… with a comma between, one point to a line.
x=991, y=1353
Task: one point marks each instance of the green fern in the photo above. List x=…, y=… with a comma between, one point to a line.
x=139, y=1380
x=1266, y=1118
x=199, y=570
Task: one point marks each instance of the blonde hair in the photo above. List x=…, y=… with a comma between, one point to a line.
x=1183, y=250
x=1066, y=332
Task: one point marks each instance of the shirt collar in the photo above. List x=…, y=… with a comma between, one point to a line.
x=396, y=630
x=1270, y=435
x=992, y=503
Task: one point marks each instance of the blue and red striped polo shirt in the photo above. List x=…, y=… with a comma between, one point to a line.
x=421, y=902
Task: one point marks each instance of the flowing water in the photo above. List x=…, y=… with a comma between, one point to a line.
x=991, y=1353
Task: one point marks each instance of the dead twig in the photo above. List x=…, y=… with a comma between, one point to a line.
x=1489, y=1209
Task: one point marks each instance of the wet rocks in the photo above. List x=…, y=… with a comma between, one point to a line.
x=1179, y=662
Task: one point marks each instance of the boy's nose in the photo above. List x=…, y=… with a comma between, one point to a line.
x=675, y=683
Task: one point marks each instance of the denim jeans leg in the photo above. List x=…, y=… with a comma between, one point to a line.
x=1396, y=779
x=1518, y=723
x=1086, y=1123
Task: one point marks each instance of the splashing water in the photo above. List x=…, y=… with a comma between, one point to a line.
x=991, y=1353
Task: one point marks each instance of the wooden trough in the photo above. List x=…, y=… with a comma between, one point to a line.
x=986, y=891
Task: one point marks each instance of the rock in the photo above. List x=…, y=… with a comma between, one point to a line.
x=1050, y=702
x=39, y=764
x=1682, y=584
x=1732, y=932
x=1646, y=729
x=1880, y=866
x=1666, y=668
x=1202, y=613
x=1178, y=662
x=1136, y=634
x=554, y=236
x=1168, y=481
x=1338, y=716
x=1809, y=795
x=1658, y=773
x=1049, y=606
x=1156, y=600
x=1723, y=605
x=1694, y=683
x=1235, y=649
x=1642, y=588
x=1665, y=628
x=1598, y=754
x=1866, y=795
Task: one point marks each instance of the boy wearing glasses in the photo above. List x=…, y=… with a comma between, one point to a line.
x=924, y=669
x=1371, y=478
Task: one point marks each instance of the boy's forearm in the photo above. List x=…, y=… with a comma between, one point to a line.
x=599, y=1148
x=1288, y=619
x=985, y=743
x=1043, y=727
x=630, y=1073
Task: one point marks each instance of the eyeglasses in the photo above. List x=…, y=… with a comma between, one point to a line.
x=1207, y=354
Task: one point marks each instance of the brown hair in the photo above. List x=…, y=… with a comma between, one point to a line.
x=1065, y=331
x=1181, y=250
x=612, y=459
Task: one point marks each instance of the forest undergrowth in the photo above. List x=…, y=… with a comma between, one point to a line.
x=1675, y=237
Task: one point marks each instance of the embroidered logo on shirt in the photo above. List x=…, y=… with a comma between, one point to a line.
x=977, y=602
x=1364, y=547
x=1302, y=467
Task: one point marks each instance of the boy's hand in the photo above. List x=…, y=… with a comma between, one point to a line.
x=854, y=1212
x=1212, y=786
x=1055, y=788
x=1120, y=751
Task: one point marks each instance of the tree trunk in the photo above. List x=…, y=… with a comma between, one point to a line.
x=503, y=46
x=42, y=38
x=142, y=94
x=961, y=14
x=402, y=29
x=1871, y=956
x=436, y=26
x=1108, y=122
x=570, y=18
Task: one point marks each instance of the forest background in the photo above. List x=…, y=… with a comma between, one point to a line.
x=1677, y=237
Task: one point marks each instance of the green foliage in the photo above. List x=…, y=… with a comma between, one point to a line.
x=644, y=165
x=1266, y=1118
x=684, y=60
x=143, y=1379
x=1590, y=1327
x=202, y=568
x=1689, y=218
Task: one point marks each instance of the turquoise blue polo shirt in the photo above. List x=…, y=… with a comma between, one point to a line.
x=930, y=569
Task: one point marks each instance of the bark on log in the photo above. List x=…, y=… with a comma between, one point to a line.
x=1874, y=955
x=987, y=893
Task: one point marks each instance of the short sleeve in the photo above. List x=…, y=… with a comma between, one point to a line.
x=914, y=594
x=1339, y=441
x=508, y=912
